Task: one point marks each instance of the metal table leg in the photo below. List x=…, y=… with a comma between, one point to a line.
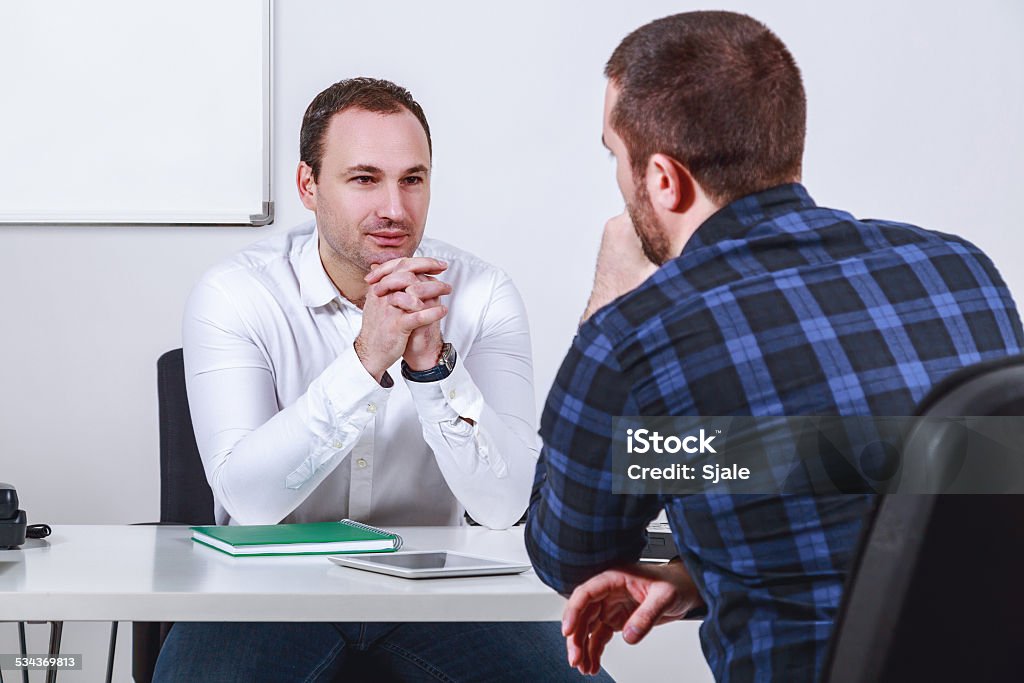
x=110, y=652
x=56, y=628
x=24, y=650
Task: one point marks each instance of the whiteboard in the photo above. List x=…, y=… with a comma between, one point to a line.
x=128, y=112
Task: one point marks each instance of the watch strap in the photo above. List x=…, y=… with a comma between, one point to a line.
x=440, y=371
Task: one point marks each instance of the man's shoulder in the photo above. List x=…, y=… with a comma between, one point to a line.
x=262, y=277
x=890, y=250
x=899, y=234
x=679, y=299
x=262, y=259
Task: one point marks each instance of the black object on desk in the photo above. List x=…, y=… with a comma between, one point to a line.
x=13, y=521
x=660, y=544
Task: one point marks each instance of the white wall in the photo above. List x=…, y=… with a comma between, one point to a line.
x=915, y=114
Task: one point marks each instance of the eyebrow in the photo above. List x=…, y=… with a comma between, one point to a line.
x=367, y=168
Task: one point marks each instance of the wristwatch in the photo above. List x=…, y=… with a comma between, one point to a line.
x=444, y=367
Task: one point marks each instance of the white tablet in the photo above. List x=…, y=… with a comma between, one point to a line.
x=429, y=564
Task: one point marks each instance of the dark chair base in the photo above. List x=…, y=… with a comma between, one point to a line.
x=147, y=639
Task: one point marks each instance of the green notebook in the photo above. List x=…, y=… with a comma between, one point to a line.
x=317, y=538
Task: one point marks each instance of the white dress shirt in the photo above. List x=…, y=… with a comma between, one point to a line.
x=292, y=428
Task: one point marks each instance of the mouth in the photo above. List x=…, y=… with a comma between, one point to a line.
x=388, y=239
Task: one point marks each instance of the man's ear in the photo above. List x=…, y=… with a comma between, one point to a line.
x=306, y=185
x=669, y=184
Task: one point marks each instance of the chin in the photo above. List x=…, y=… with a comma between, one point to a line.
x=385, y=255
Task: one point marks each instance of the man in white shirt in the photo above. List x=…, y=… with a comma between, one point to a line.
x=352, y=368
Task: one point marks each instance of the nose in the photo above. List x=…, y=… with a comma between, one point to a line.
x=392, y=206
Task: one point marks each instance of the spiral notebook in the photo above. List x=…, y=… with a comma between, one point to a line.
x=316, y=538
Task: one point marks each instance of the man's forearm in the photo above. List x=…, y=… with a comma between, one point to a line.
x=487, y=459
x=265, y=467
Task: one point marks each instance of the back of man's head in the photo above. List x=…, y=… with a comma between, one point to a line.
x=718, y=92
x=371, y=94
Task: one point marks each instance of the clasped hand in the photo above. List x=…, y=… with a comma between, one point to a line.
x=621, y=264
x=402, y=314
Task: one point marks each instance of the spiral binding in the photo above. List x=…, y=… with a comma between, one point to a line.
x=366, y=527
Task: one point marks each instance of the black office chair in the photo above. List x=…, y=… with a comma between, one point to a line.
x=935, y=593
x=185, y=496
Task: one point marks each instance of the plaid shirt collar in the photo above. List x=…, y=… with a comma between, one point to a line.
x=735, y=220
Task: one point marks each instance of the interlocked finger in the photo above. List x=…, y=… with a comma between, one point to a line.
x=393, y=283
x=407, y=302
x=429, y=289
x=414, y=264
x=427, y=316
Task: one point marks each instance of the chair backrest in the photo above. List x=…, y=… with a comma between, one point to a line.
x=935, y=591
x=992, y=388
x=185, y=496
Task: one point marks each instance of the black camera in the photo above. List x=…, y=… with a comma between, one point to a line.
x=13, y=521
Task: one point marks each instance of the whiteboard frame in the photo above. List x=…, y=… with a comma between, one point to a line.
x=163, y=218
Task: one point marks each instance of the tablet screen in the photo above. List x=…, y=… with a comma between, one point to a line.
x=438, y=560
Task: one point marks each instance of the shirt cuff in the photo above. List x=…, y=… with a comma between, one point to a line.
x=448, y=399
x=350, y=390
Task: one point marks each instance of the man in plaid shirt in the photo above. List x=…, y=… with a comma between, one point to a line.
x=724, y=290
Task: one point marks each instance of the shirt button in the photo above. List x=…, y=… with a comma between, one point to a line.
x=361, y=462
x=336, y=444
x=451, y=394
x=371, y=408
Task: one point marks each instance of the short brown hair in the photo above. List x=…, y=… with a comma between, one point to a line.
x=718, y=92
x=371, y=94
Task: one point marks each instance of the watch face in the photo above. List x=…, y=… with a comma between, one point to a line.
x=448, y=356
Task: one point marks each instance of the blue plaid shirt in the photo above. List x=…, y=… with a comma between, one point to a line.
x=775, y=307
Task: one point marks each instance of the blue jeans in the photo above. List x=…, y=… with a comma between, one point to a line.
x=377, y=652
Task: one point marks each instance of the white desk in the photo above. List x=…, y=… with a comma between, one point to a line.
x=152, y=573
